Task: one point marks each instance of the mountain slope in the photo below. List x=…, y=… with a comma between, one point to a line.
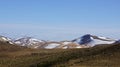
x=117, y=42
x=92, y=40
x=29, y=42
x=98, y=56
x=85, y=41
x=5, y=46
x=82, y=42
x=6, y=39
x=42, y=44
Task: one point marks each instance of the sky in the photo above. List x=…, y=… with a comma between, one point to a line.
x=59, y=19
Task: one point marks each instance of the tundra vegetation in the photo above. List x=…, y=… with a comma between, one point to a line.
x=98, y=56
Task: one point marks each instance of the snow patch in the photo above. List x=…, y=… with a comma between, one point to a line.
x=18, y=42
x=65, y=43
x=102, y=37
x=36, y=46
x=78, y=47
x=51, y=46
x=4, y=38
x=102, y=42
x=65, y=47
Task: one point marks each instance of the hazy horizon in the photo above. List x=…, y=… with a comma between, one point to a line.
x=59, y=19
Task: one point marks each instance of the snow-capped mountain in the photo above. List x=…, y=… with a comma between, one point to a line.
x=117, y=42
x=41, y=44
x=85, y=41
x=2, y=38
x=6, y=39
x=92, y=40
x=29, y=42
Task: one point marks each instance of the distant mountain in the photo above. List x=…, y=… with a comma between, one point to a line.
x=91, y=40
x=117, y=42
x=42, y=44
x=6, y=39
x=85, y=41
x=29, y=42
x=63, y=45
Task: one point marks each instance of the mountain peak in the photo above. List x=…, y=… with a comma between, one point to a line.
x=117, y=42
x=92, y=40
x=85, y=39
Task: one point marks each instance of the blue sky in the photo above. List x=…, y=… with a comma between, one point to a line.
x=59, y=19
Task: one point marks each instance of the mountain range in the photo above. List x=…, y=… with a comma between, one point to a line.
x=84, y=41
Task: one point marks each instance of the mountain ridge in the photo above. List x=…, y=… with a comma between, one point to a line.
x=84, y=41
